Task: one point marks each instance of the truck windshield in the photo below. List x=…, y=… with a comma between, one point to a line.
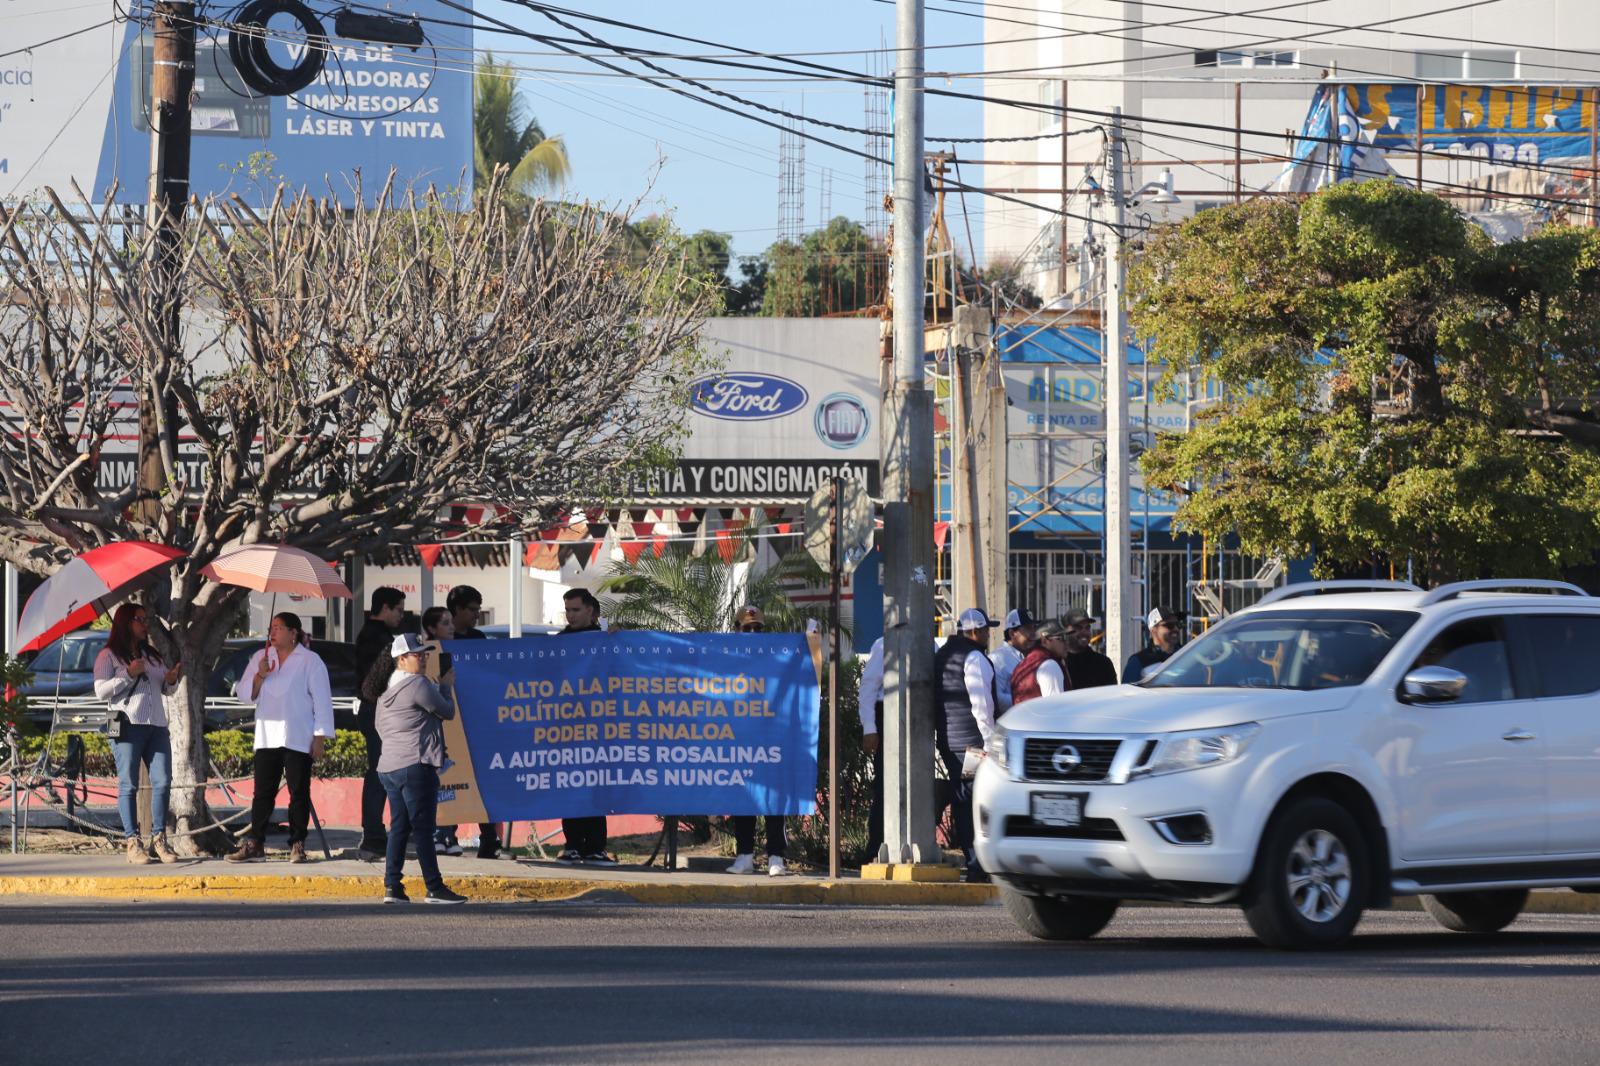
x=1313, y=649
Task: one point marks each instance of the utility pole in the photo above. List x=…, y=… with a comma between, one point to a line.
x=171, y=91
x=1120, y=636
x=977, y=444
x=908, y=704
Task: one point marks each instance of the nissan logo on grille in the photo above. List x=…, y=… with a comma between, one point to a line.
x=1066, y=759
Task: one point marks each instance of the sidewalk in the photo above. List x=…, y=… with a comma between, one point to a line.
x=108, y=875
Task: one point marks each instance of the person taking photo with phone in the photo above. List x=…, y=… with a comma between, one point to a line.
x=131, y=677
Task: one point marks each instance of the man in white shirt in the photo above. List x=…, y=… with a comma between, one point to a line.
x=1020, y=636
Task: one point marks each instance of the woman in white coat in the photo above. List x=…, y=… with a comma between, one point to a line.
x=288, y=683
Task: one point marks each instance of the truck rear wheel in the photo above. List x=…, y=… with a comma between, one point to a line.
x=1058, y=917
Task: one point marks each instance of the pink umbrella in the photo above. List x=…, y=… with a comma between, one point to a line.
x=89, y=586
x=277, y=568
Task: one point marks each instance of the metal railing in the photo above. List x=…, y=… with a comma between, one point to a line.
x=85, y=714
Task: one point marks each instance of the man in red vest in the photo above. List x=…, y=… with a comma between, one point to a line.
x=1042, y=671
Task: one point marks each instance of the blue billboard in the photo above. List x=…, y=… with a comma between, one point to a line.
x=372, y=108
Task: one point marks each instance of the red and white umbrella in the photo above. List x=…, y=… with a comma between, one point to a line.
x=88, y=587
x=277, y=568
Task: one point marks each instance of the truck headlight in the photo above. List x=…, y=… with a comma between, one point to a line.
x=1202, y=747
x=996, y=748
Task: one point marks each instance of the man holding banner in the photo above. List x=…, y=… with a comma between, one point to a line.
x=585, y=837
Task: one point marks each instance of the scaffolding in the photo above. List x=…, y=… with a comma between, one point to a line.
x=791, y=184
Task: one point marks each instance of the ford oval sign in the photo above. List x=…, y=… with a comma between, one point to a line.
x=842, y=420
x=747, y=397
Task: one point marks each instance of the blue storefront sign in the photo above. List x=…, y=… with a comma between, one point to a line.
x=632, y=723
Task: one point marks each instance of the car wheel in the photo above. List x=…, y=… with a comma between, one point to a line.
x=1058, y=917
x=1310, y=882
x=1476, y=912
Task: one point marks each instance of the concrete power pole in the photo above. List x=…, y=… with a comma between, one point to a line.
x=1121, y=634
x=978, y=449
x=171, y=90
x=908, y=705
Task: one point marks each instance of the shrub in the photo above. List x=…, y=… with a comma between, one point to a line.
x=231, y=753
x=808, y=836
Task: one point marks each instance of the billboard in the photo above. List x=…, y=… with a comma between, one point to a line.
x=77, y=109
x=792, y=403
x=1523, y=123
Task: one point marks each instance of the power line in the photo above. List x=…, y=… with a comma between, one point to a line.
x=754, y=118
x=1329, y=27
x=670, y=75
x=1053, y=109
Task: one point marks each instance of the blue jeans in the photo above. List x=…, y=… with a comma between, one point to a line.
x=413, y=807
x=150, y=745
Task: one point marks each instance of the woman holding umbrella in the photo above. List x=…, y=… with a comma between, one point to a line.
x=288, y=683
x=131, y=677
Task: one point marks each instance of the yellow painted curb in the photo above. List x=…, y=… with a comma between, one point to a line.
x=926, y=872
x=504, y=890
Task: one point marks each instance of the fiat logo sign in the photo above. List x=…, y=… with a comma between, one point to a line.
x=1066, y=759
x=747, y=397
x=842, y=420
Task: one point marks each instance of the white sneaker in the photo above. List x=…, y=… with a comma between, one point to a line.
x=743, y=864
x=776, y=868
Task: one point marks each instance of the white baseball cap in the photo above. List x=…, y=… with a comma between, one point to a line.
x=1158, y=615
x=973, y=618
x=406, y=644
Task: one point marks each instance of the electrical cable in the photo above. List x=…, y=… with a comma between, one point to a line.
x=764, y=121
x=994, y=195
x=255, y=64
x=1023, y=105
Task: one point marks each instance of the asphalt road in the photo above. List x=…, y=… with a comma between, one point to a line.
x=110, y=982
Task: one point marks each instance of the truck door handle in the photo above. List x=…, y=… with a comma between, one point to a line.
x=1518, y=734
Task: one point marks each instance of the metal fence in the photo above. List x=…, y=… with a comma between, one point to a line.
x=1207, y=586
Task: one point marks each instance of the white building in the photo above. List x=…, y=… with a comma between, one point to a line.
x=1165, y=64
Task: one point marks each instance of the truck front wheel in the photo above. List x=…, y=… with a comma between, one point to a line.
x=1058, y=917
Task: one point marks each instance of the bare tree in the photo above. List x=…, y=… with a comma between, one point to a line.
x=341, y=377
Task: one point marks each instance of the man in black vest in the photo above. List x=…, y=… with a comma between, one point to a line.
x=586, y=837
x=967, y=694
x=383, y=623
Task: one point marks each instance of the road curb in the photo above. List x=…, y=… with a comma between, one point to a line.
x=507, y=890
x=485, y=889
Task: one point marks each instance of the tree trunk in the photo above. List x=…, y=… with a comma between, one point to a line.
x=191, y=765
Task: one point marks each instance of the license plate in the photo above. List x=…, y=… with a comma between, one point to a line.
x=1064, y=809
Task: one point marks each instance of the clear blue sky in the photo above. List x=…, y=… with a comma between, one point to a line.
x=719, y=171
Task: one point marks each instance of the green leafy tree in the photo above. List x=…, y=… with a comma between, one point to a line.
x=1392, y=384
x=505, y=135
x=837, y=269
x=747, y=295
x=681, y=592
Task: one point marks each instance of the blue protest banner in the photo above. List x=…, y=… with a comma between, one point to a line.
x=631, y=723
